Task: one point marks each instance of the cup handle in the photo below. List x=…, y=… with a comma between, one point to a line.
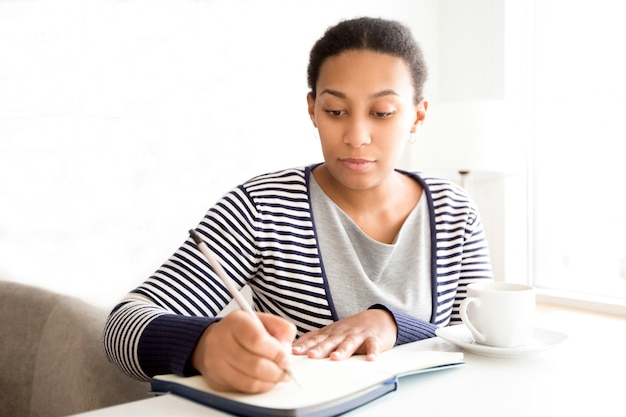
x=478, y=336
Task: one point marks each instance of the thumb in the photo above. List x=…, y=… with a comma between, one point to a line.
x=279, y=328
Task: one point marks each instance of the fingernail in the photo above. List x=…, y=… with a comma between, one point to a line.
x=285, y=362
x=313, y=353
x=337, y=355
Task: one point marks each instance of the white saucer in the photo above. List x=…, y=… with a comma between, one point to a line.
x=541, y=339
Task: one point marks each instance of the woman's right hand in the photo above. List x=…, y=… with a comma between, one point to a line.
x=236, y=354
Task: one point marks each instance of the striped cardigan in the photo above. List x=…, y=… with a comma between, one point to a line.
x=264, y=236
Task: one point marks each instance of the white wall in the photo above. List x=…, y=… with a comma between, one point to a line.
x=483, y=55
x=121, y=122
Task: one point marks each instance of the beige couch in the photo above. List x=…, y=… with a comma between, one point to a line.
x=52, y=361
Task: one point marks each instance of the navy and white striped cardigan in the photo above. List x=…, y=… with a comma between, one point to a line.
x=264, y=235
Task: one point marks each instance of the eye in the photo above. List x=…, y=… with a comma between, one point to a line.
x=382, y=114
x=335, y=113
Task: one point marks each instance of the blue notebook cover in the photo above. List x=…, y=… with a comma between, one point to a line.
x=239, y=408
x=328, y=387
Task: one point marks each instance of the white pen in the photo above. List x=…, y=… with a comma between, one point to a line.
x=243, y=304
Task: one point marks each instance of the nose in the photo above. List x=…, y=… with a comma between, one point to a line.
x=357, y=133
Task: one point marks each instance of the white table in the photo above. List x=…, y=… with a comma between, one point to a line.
x=585, y=375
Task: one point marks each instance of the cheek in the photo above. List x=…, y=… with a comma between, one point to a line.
x=330, y=147
x=393, y=143
x=327, y=145
x=329, y=134
x=394, y=135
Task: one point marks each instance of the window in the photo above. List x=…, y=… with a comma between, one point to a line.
x=579, y=175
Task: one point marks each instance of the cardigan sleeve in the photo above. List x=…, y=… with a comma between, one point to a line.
x=410, y=329
x=144, y=340
x=155, y=328
x=167, y=344
x=459, y=248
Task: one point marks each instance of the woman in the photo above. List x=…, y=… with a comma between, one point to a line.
x=350, y=255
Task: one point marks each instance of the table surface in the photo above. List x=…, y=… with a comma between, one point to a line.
x=582, y=376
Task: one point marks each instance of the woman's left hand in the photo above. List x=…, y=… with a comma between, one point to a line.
x=368, y=333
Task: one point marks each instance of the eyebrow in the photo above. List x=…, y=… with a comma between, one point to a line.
x=378, y=94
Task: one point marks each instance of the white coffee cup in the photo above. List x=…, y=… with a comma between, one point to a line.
x=499, y=314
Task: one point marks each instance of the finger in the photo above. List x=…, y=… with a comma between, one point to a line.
x=226, y=365
x=255, y=374
x=258, y=372
x=336, y=346
x=348, y=347
x=279, y=328
x=270, y=342
x=254, y=337
x=283, y=360
x=319, y=343
x=249, y=352
x=241, y=379
x=371, y=348
x=322, y=342
x=307, y=341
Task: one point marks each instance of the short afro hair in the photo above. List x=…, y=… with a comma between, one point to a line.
x=372, y=34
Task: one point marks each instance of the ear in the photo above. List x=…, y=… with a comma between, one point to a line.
x=311, y=105
x=420, y=115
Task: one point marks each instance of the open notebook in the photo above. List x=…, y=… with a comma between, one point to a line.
x=328, y=387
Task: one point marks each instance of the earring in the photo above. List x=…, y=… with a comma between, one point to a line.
x=316, y=133
x=413, y=133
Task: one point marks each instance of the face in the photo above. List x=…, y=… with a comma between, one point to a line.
x=364, y=112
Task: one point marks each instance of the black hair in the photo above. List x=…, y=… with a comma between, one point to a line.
x=372, y=34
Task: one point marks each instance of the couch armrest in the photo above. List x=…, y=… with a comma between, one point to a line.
x=58, y=360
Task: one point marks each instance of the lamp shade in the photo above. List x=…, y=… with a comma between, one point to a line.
x=467, y=136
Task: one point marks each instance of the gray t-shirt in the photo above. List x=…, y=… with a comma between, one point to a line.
x=362, y=271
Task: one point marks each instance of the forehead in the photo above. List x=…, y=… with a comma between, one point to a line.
x=364, y=71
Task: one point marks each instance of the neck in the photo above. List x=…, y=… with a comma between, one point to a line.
x=393, y=191
x=379, y=211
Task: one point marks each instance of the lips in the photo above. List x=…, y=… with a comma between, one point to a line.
x=355, y=164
